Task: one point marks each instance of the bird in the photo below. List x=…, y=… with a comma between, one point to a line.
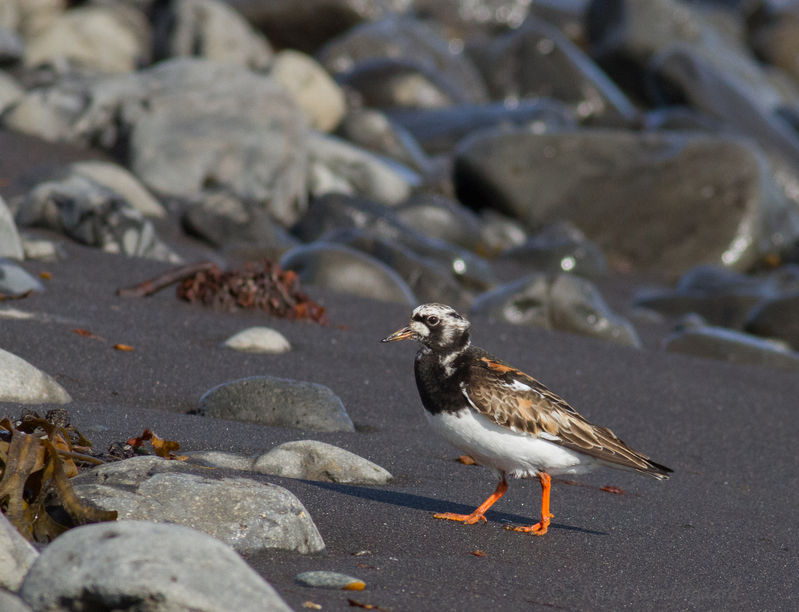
x=503, y=418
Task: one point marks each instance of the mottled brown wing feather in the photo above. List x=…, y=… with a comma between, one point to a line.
x=536, y=410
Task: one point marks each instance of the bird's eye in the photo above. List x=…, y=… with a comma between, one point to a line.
x=433, y=320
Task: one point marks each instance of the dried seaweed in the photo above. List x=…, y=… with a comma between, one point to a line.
x=161, y=447
x=38, y=455
x=262, y=286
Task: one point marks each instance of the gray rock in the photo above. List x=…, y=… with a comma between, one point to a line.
x=346, y=270
x=211, y=30
x=258, y=340
x=245, y=514
x=719, y=187
x=10, y=242
x=12, y=49
x=311, y=87
x=281, y=402
x=15, y=281
x=23, y=383
x=17, y=558
x=11, y=603
x=330, y=580
x=313, y=460
x=114, y=37
x=501, y=232
x=443, y=218
x=122, y=182
x=220, y=459
x=563, y=302
x=411, y=40
x=92, y=214
x=144, y=566
x=536, y=60
x=730, y=345
x=41, y=249
x=340, y=167
x=10, y=90
x=776, y=318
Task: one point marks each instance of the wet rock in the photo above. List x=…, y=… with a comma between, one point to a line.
x=375, y=132
x=720, y=296
x=500, y=232
x=536, y=60
x=247, y=515
x=15, y=281
x=280, y=402
x=347, y=270
x=330, y=580
x=10, y=90
x=440, y=130
x=17, y=558
x=91, y=214
x=208, y=29
x=560, y=247
x=439, y=217
x=226, y=222
x=22, y=382
x=144, y=565
x=311, y=88
x=717, y=186
x=409, y=40
x=10, y=241
x=258, y=340
x=730, y=345
x=426, y=278
x=113, y=37
x=313, y=460
x=122, y=182
x=563, y=302
x=339, y=167
x=776, y=318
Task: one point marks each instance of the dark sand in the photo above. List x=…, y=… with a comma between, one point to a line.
x=722, y=533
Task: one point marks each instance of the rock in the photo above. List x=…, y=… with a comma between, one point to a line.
x=10, y=242
x=219, y=459
x=280, y=402
x=730, y=345
x=313, y=460
x=208, y=29
x=92, y=214
x=374, y=131
x=330, y=580
x=536, y=60
x=244, y=514
x=774, y=36
x=11, y=603
x=560, y=247
x=427, y=279
x=109, y=38
x=12, y=49
x=440, y=217
x=563, y=302
x=501, y=232
x=122, y=182
x=40, y=249
x=346, y=270
x=258, y=340
x=337, y=166
x=23, y=383
x=311, y=88
x=409, y=40
x=201, y=125
x=140, y=565
x=777, y=317
x=226, y=222
x=17, y=558
x=439, y=130
x=10, y=90
x=14, y=281
x=717, y=186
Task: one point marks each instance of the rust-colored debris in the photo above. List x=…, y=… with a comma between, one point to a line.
x=123, y=347
x=259, y=286
x=467, y=460
x=478, y=553
x=358, y=604
x=37, y=457
x=87, y=334
x=613, y=489
x=162, y=448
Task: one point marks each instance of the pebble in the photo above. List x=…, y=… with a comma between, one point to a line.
x=258, y=340
x=330, y=580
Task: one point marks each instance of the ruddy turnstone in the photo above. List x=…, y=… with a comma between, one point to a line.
x=502, y=417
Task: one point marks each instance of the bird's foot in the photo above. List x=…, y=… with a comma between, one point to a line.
x=538, y=529
x=469, y=519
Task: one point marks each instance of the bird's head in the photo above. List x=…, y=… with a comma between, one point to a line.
x=436, y=326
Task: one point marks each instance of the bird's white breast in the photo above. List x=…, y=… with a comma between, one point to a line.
x=518, y=455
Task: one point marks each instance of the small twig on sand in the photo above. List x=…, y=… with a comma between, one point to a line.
x=153, y=285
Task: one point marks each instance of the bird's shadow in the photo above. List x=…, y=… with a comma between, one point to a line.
x=429, y=504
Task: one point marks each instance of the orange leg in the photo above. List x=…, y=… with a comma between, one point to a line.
x=541, y=527
x=477, y=515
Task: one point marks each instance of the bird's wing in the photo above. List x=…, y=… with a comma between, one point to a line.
x=513, y=399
